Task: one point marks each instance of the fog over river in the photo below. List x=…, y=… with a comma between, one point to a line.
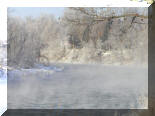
x=75, y=86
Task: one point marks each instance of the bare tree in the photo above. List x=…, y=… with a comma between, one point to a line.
x=107, y=28
x=88, y=32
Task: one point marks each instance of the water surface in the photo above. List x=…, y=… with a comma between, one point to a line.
x=78, y=87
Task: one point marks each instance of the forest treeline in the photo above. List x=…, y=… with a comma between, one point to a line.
x=81, y=35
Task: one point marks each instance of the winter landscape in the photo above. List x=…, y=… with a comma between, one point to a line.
x=85, y=58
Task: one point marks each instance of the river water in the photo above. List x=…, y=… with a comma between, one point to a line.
x=69, y=86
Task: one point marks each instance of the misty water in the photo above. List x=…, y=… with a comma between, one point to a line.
x=68, y=86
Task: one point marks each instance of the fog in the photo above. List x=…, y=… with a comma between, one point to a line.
x=106, y=52
x=68, y=86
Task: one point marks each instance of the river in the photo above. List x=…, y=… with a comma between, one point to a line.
x=75, y=86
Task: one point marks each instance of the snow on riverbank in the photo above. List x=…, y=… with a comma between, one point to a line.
x=39, y=71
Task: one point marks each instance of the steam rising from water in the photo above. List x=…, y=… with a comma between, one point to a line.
x=78, y=87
